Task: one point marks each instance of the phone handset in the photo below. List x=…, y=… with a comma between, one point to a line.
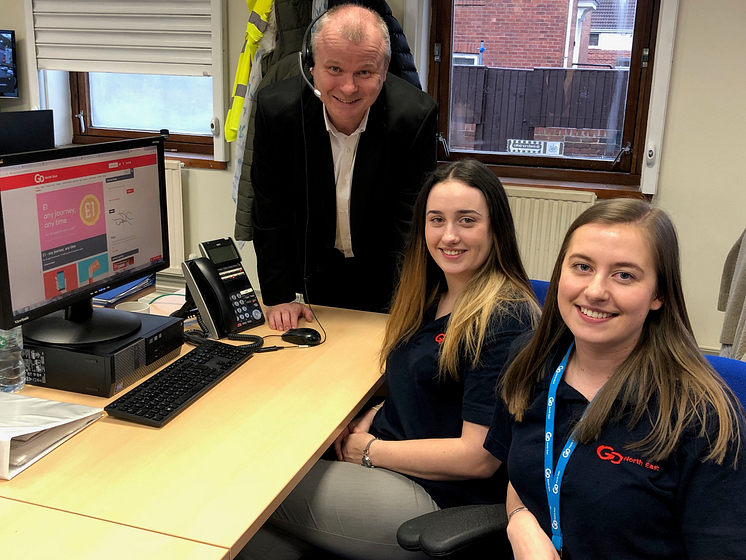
x=221, y=290
x=210, y=296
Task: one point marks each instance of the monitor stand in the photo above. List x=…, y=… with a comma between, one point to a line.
x=81, y=324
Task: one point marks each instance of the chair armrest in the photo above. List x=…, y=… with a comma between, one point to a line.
x=444, y=532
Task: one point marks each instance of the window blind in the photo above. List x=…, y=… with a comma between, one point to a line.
x=178, y=37
x=172, y=37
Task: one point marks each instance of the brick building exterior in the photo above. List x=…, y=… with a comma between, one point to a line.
x=532, y=33
x=519, y=36
x=516, y=33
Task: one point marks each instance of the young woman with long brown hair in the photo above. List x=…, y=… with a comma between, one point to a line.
x=621, y=440
x=462, y=300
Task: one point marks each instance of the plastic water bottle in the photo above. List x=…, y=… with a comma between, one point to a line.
x=12, y=369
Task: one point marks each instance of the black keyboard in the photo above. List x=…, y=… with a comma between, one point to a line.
x=159, y=399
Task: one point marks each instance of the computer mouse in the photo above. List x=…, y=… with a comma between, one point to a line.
x=304, y=335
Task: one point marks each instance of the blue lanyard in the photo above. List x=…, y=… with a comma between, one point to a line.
x=553, y=475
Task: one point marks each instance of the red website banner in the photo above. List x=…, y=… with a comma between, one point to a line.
x=75, y=172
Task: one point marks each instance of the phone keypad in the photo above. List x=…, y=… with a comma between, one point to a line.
x=246, y=307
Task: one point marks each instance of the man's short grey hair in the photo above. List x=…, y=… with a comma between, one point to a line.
x=355, y=29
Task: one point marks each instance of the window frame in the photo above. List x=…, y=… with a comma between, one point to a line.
x=468, y=56
x=608, y=180
x=80, y=101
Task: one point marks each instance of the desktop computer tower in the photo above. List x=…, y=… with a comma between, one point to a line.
x=105, y=369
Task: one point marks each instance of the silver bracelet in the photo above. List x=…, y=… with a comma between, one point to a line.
x=377, y=408
x=366, y=462
x=516, y=510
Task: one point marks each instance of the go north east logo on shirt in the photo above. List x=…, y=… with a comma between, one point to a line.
x=607, y=453
x=440, y=338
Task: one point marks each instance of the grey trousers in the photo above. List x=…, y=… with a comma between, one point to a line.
x=341, y=509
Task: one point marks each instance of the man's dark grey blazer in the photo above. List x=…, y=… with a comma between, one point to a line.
x=294, y=209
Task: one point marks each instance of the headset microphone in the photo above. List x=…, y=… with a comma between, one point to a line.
x=316, y=92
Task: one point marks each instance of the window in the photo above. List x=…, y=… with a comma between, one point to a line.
x=593, y=40
x=622, y=62
x=545, y=105
x=138, y=67
x=109, y=106
x=465, y=59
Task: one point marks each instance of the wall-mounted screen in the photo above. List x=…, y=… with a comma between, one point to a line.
x=8, y=64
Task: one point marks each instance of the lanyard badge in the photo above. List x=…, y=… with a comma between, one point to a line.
x=553, y=474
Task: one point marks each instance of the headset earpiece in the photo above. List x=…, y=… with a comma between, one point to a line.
x=305, y=56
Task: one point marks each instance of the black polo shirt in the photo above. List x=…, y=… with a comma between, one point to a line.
x=613, y=502
x=420, y=406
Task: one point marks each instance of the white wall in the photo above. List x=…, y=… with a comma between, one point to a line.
x=702, y=182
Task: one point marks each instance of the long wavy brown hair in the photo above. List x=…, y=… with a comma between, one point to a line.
x=501, y=282
x=665, y=367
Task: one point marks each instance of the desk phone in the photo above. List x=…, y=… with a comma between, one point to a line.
x=221, y=289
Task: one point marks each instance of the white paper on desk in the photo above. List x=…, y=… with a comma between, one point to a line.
x=30, y=428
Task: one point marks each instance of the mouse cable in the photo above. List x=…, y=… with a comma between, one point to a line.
x=323, y=330
x=269, y=349
x=276, y=348
x=306, y=297
x=266, y=336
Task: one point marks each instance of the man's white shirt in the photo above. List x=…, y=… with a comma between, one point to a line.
x=344, y=151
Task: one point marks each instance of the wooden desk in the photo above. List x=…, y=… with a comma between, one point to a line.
x=217, y=471
x=34, y=532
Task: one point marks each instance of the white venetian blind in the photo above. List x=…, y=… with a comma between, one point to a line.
x=162, y=37
x=177, y=37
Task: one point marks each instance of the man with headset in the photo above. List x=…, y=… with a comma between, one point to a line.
x=336, y=169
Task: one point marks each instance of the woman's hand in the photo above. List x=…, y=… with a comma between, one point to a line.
x=461, y=458
x=353, y=447
x=363, y=422
x=358, y=425
x=527, y=538
x=340, y=438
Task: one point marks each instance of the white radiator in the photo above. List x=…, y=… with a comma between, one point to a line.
x=542, y=217
x=172, y=278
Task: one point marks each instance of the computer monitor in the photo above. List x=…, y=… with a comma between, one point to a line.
x=26, y=131
x=75, y=222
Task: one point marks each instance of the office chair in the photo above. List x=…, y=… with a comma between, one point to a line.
x=734, y=373
x=540, y=289
x=474, y=531
x=464, y=532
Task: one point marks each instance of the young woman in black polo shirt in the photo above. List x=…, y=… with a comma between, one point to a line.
x=462, y=300
x=621, y=440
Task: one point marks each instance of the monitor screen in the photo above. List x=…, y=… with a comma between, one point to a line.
x=8, y=66
x=76, y=222
x=26, y=131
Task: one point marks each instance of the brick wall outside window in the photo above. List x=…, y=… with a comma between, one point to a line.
x=516, y=33
x=524, y=33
